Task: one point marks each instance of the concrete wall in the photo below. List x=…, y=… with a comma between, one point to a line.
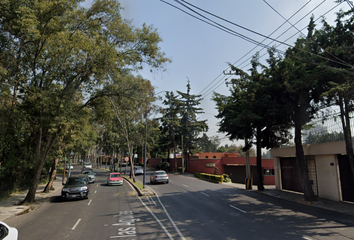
x=328, y=177
x=327, y=169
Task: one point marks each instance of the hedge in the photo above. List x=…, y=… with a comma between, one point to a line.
x=209, y=177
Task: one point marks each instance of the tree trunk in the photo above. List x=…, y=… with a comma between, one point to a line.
x=259, y=160
x=300, y=160
x=53, y=174
x=41, y=157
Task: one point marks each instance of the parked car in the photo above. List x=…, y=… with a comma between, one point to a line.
x=88, y=165
x=138, y=170
x=68, y=165
x=90, y=173
x=7, y=232
x=76, y=187
x=159, y=176
x=114, y=178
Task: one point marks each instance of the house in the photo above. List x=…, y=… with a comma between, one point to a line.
x=328, y=167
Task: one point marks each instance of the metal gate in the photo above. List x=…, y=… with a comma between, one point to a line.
x=290, y=177
x=346, y=178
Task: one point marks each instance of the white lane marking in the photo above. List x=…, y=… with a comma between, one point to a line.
x=151, y=200
x=185, y=185
x=307, y=238
x=162, y=226
x=205, y=194
x=95, y=191
x=123, y=236
x=89, y=202
x=238, y=209
x=169, y=217
x=77, y=223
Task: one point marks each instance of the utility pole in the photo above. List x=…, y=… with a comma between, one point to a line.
x=182, y=157
x=248, y=180
x=145, y=148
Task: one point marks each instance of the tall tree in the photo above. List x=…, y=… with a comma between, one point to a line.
x=303, y=90
x=54, y=52
x=337, y=43
x=190, y=126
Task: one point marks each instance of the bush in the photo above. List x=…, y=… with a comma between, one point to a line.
x=216, y=171
x=212, y=177
x=197, y=175
x=163, y=166
x=226, y=178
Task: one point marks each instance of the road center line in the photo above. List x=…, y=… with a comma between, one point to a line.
x=238, y=209
x=95, y=191
x=185, y=185
x=205, y=194
x=89, y=202
x=77, y=223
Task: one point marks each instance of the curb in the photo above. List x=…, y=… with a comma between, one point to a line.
x=141, y=192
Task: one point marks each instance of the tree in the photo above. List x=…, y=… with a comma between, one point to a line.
x=57, y=58
x=337, y=44
x=252, y=110
x=207, y=144
x=169, y=123
x=190, y=126
x=303, y=90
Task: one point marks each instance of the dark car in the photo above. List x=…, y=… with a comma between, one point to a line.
x=76, y=187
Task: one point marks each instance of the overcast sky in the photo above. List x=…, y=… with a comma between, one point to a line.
x=201, y=52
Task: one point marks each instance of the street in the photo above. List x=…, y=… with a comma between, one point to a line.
x=186, y=208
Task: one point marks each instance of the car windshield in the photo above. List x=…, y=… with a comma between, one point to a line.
x=160, y=173
x=115, y=175
x=88, y=172
x=75, y=181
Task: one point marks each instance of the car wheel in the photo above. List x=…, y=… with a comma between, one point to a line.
x=167, y=182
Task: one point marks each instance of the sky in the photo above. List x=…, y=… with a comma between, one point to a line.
x=201, y=52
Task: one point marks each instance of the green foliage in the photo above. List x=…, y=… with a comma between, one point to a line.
x=216, y=171
x=212, y=177
x=163, y=166
x=56, y=89
x=226, y=178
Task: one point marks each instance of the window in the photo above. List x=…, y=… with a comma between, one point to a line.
x=268, y=172
x=206, y=157
x=214, y=156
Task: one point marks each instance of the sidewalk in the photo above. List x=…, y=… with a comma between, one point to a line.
x=9, y=207
x=342, y=207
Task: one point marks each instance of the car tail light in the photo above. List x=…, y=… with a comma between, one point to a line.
x=155, y=176
x=166, y=175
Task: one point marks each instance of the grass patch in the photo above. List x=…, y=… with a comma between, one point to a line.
x=137, y=183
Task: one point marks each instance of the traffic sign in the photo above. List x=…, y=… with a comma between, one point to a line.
x=126, y=159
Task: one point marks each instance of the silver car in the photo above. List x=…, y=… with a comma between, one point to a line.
x=90, y=174
x=159, y=176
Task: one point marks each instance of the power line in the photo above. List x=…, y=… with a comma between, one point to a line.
x=247, y=60
x=257, y=33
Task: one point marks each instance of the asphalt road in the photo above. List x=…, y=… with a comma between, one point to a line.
x=204, y=210
x=186, y=208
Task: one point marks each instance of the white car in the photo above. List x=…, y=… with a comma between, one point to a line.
x=88, y=165
x=7, y=232
x=138, y=170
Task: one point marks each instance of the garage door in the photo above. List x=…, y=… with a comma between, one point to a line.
x=346, y=178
